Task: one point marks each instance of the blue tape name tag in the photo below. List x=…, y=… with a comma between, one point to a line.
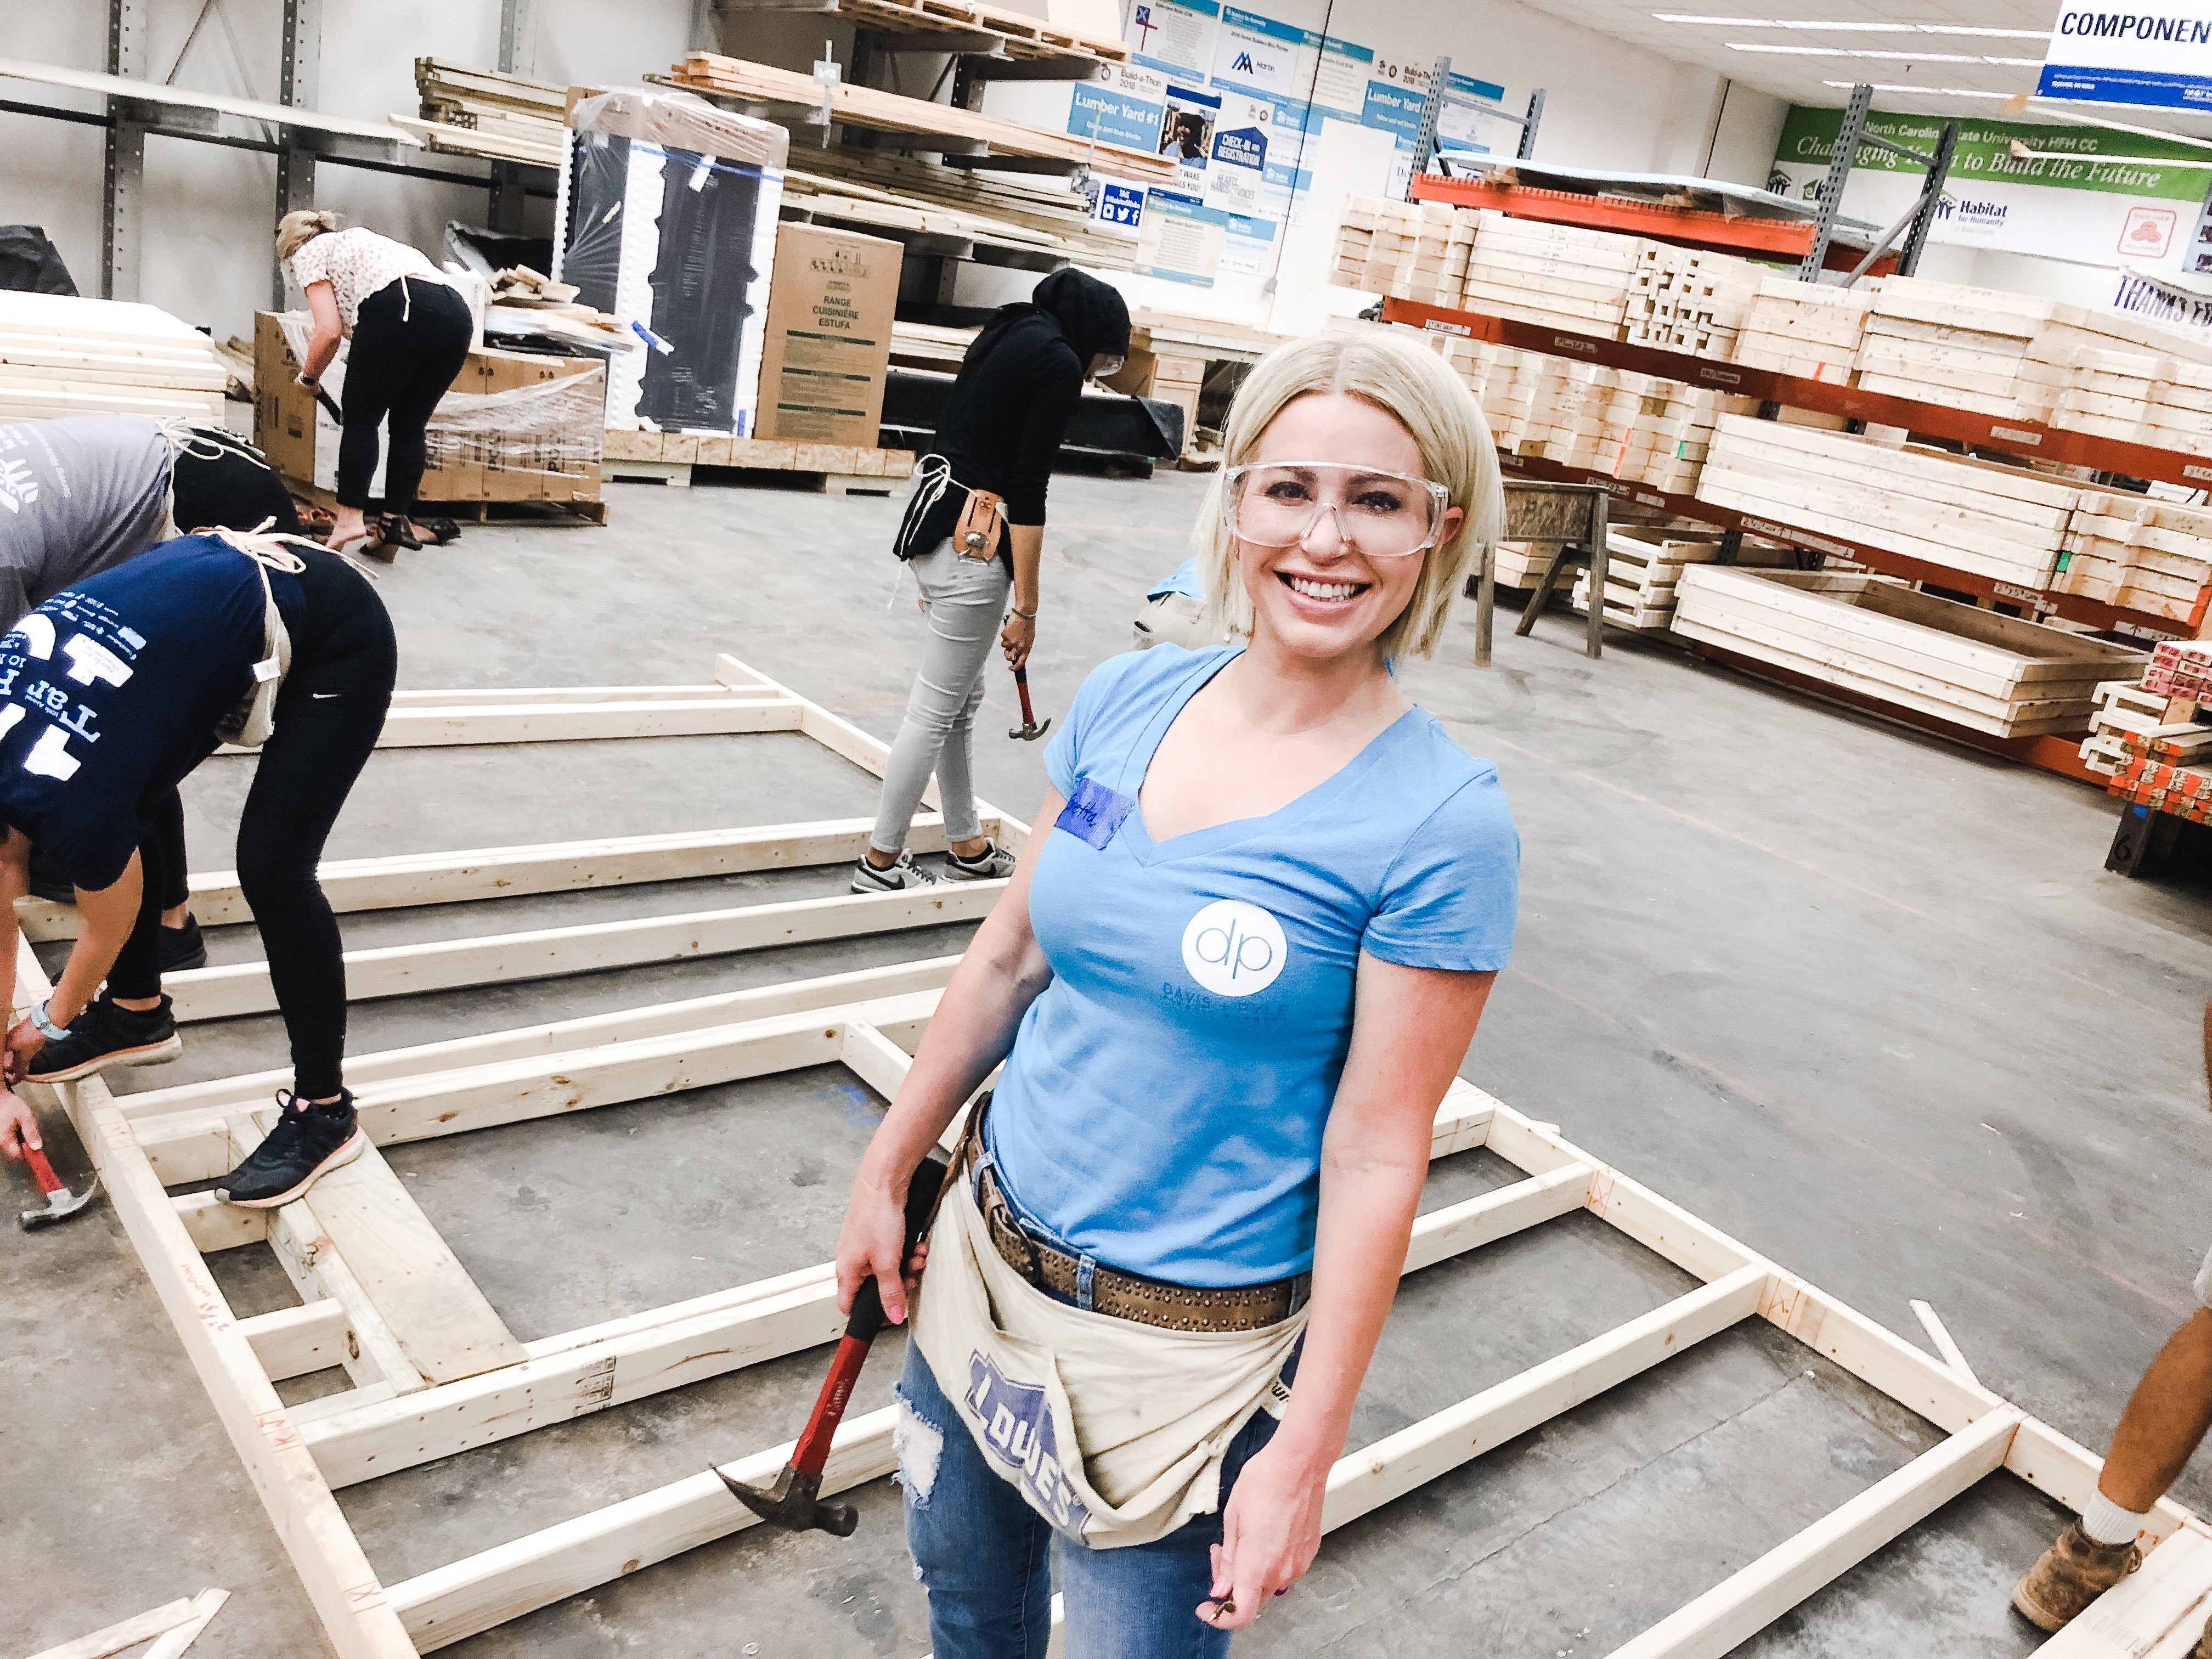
x=1094, y=812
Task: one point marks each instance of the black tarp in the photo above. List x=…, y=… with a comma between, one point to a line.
x=1105, y=422
x=29, y=263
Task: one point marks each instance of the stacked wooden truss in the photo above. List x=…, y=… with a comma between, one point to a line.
x=2127, y=709
x=61, y=355
x=473, y=111
x=1874, y=638
x=434, y=1371
x=1687, y=300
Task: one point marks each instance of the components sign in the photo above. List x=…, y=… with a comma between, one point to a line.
x=2113, y=53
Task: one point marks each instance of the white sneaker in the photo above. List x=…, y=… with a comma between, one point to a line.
x=993, y=863
x=904, y=873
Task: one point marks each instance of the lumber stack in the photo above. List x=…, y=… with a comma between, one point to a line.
x=1405, y=250
x=1964, y=347
x=1682, y=299
x=2181, y=668
x=1019, y=34
x=472, y=111
x=1559, y=274
x=2125, y=708
x=1805, y=328
x=786, y=90
x=1876, y=639
x=2138, y=552
x=2156, y=772
x=1644, y=566
x=2136, y=396
x=1996, y=522
x=63, y=355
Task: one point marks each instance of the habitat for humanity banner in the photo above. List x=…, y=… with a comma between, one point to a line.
x=2160, y=55
x=2078, y=201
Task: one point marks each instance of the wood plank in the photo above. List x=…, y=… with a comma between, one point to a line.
x=408, y=728
x=487, y=872
x=186, y=1105
x=204, y=1606
x=125, y=1633
x=365, y=1216
x=294, y=1342
x=344, y=1591
x=501, y=958
x=214, y=1225
x=879, y=1062
x=649, y=1353
x=1746, y=1603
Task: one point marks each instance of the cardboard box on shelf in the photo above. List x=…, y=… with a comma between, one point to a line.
x=517, y=426
x=828, y=347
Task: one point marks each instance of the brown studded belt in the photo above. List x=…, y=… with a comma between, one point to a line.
x=1132, y=1297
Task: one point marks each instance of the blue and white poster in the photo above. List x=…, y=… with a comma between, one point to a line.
x=1260, y=54
x=1176, y=36
x=1119, y=207
x=1397, y=110
x=1127, y=109
x=1247, y=245
x=1237, y=167
x=2110, y=56
x=1187, y=119
x=1181, y=239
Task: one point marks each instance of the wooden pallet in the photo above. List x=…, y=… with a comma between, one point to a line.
x=673, y=458
x=548, y=514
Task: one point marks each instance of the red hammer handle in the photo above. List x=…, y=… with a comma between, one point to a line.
x=1022, y=685
x=813, y=1450
x=41, y=1171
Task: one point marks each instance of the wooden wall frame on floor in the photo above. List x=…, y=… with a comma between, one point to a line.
x=434, y=1372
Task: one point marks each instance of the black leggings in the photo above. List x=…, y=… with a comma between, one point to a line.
x=410, y=340
x=328, y=715
x=219, y=480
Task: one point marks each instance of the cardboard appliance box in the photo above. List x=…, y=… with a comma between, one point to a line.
x=828, y=344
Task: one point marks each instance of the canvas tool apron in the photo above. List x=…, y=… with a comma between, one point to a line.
x=1114, y=1432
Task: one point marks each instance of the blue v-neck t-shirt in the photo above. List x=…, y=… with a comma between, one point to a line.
x=1162, y=1107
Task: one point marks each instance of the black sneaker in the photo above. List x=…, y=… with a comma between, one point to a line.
x=104, y=1036
x=309, y=1142
x=182, y=949
x=993, y=863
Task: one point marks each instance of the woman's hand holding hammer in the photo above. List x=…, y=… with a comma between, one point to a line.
x=1017, y=637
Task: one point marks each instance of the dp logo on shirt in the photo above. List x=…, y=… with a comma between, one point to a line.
x=1234, y=949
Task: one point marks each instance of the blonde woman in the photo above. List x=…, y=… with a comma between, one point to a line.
x=1238, y=965
x=411, y=334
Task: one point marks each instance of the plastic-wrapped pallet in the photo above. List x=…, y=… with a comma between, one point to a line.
x=1810, y=330
x=1997, y=521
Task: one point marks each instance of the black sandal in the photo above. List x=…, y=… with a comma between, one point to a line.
x=441, y=532
x=392, y=530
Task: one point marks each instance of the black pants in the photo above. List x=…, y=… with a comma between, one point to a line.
x=219, y=480
x=328, y=715
x=410, y=340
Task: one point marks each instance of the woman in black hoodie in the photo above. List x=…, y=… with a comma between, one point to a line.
x=1003, y=423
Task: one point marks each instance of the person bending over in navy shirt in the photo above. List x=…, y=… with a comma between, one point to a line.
x=110, y=692
x=1238, y=965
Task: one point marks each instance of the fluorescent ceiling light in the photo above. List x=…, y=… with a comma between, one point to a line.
x=1854, y=28
x=1932, y=92
x=1906, y=56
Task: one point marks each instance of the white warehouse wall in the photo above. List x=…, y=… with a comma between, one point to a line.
x=210, y=212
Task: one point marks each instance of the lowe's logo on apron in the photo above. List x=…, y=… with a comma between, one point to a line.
x=1018, y=1430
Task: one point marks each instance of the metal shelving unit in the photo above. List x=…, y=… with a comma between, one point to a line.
x=2028, y=439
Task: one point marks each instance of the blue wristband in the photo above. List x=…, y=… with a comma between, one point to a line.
x=47, y=1029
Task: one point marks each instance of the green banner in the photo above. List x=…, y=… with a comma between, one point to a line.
x=2116, y=163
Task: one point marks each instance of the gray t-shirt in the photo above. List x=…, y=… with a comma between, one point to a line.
x=76, y=496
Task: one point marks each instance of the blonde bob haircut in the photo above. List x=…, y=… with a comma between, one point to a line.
x=1412, y=385
x=296, y=229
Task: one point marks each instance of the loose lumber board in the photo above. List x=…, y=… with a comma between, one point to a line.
x=410, y=1275
x=888, y=111
x=1763, y=616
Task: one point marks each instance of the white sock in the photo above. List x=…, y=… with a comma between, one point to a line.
x=2106, y=1522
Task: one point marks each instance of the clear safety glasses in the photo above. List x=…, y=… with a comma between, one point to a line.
x=1384, y=515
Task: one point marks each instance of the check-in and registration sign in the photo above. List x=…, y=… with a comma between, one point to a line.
x=2109, y=52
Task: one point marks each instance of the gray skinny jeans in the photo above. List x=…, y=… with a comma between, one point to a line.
x=966, y=602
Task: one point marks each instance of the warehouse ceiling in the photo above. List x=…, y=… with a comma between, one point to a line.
x=1962, y=57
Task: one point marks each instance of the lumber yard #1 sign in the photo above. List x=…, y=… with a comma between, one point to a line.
x=2111, y=52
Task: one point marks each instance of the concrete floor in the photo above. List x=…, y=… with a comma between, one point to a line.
x=1865, y=1001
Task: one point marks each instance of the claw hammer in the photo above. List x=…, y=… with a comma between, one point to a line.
x=795, y=1500
x=61, y=1203
x=1029, y=731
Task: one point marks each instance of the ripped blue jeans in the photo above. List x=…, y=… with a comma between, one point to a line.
x=980, y=1551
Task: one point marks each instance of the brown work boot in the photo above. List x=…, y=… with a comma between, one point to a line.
x=2070, y=1575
